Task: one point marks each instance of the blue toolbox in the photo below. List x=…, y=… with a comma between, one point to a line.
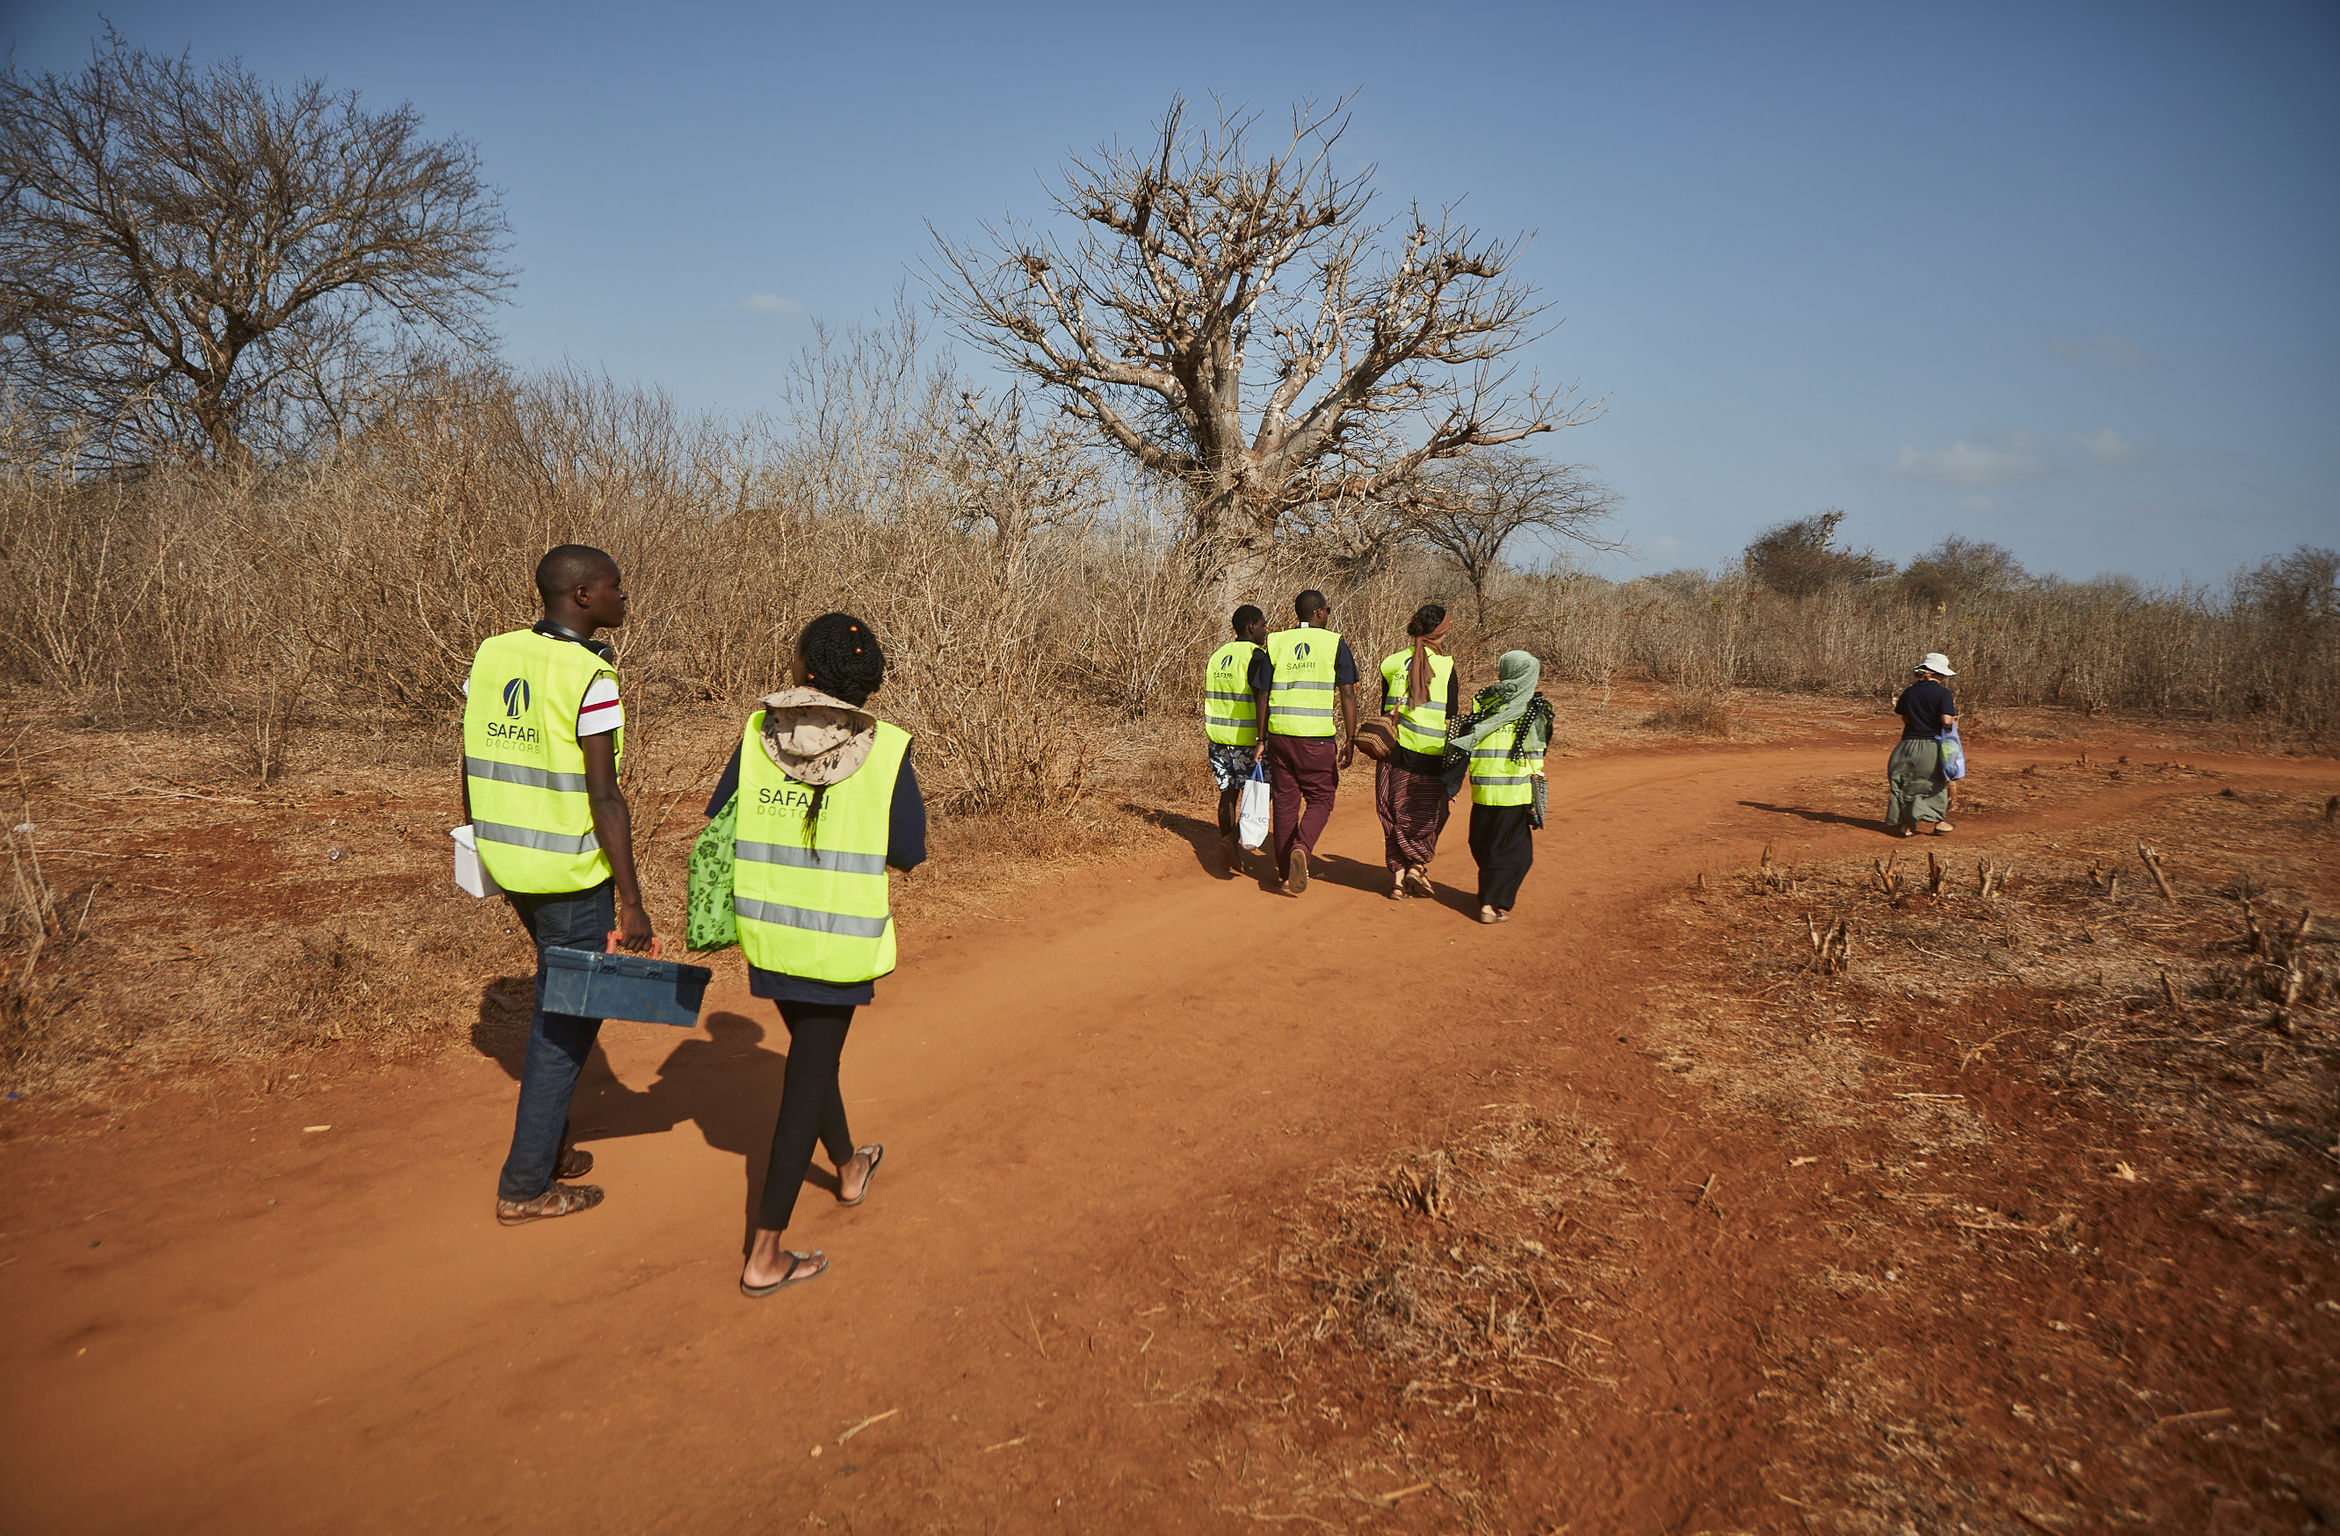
x=617, y=985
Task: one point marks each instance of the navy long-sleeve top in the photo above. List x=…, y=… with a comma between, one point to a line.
x=905, y=850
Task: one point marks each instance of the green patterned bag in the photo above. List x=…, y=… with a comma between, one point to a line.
x=712, y=923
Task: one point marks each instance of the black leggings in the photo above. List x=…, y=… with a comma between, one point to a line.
x=811, y=1108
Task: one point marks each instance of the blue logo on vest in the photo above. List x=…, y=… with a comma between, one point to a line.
x=516, y=697
x=1300, y=651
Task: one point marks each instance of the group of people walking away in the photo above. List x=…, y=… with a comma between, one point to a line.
x=818, y=803
x=1286, y=700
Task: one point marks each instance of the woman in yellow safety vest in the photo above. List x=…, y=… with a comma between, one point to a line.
x=1419, y=693
x=826, y=802
x=1505, y=737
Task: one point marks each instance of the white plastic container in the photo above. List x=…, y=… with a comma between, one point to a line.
x=470, y=873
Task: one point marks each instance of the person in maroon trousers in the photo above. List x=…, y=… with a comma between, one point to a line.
x=1306, y=742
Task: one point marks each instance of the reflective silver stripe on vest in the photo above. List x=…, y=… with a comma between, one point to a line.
x=1481, y=779
x=513, y=773
x=804, y=917
x=810, y=858
x=1231, y=698
x=529, y=837
x=1286, y=711
x=1502, y=752
x=1282, y=686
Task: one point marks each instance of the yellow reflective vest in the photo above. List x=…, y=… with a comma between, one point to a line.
x=1230, y=713
x=1301, y=701
x=522, y=764
x=815, y=906
x=1496, y=779
x=1420, y=728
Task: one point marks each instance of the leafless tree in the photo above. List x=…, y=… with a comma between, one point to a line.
x=1471, y=510
x=1016, y=475
x=195, y=263
x=1242, y=324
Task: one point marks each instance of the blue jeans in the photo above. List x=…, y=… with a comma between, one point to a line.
x=558, y=1043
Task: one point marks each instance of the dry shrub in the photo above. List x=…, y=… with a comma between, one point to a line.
x=1039, y=614
x=2265, y=648
x=37, y=920
x=1687, y=714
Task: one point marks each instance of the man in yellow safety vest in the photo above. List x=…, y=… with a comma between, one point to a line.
x=1231, y=721
x=1294, y=682
x=543, y=735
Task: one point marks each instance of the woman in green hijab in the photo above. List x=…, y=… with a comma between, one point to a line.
x=1502, y=741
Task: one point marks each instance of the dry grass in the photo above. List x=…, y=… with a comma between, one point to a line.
x=1420, y=1317
x=2076, y=1145
x=2039, y=1250
x=1464, y=1271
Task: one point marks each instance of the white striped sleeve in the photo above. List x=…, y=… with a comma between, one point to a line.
x=600, y=710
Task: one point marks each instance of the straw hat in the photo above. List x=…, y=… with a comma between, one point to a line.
x=1936, y=663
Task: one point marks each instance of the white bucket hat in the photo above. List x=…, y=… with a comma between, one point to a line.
x=1936, y=663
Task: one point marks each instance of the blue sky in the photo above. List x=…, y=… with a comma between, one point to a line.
x=2056, y=276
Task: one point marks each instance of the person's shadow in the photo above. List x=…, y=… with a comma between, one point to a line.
x=1202, y=836
x=727, y=1084
x=1830, y=818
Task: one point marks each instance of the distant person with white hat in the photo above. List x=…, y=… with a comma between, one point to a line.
x=1917, y=790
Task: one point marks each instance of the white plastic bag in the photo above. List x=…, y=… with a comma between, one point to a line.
x=1255, y=813
x=470, y=873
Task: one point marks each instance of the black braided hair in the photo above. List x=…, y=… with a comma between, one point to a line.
x=841, y=657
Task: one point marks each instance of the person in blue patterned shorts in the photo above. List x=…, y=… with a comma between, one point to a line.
x=1231, y=722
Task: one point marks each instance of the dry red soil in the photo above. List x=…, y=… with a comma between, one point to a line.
x=1097, y=1106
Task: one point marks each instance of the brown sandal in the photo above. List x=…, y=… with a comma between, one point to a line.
x=575, y=1163
x=559, y=1200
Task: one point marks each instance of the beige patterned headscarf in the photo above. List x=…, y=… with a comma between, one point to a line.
x=816, y=739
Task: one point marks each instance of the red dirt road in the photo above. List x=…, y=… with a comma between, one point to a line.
x=220, y=1321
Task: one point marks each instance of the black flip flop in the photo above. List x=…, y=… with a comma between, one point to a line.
x=877, y=1155
x=793, y=1277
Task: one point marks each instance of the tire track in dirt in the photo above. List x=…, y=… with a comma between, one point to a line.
x=1097, y=1096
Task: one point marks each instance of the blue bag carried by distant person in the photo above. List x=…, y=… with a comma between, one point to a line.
x=1953, y=754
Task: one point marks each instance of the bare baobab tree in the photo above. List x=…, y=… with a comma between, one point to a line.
x=193, y=262
x=1469, y=511
x=1240, y=323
